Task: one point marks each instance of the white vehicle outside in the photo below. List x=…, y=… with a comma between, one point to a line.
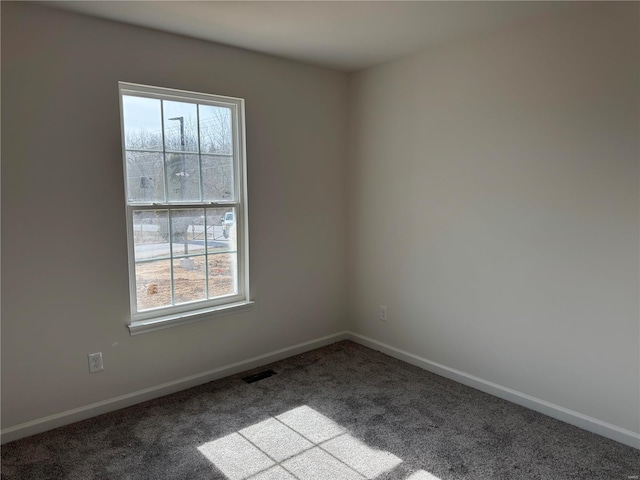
x=228, y=222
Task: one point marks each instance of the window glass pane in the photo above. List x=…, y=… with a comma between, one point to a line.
x=189, y=279
x=153, y=284
x=187, y=231
x=183, y=177
x=216, y=135
x=217, y=178
x=142, y=123
x=150, y=234
x=145, y=177
x=223, y=276
x=180, y=126
x=222, y=229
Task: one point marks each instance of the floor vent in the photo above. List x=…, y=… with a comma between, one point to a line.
x=259, y=376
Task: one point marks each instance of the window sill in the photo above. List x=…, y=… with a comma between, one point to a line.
x=160, y=323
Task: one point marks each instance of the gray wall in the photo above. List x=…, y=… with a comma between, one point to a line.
x=64, y=260
x=494, y=194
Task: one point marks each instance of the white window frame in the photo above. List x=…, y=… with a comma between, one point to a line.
x=163, y=317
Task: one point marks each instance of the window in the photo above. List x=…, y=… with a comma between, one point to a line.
x=185, y=187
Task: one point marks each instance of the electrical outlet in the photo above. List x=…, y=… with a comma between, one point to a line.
x=95, y=362
x=383, y=313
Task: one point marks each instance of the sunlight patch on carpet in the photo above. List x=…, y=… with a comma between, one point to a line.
x=359, y=456
x=276, y=439
x=236, y=457
x=301, y=444
x=311, y=424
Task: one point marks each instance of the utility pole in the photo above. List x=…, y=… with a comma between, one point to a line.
x=181, y=120
x=183, y=177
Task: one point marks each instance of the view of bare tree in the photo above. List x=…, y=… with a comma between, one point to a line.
x=190, y=148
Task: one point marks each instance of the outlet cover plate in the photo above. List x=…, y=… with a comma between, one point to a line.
x=383, y=313
x=95, y=362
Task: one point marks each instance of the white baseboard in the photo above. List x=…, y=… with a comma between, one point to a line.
x=82, y=413
x=566, y=415
x=585, y=422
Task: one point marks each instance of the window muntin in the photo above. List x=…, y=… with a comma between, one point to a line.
x=186, y=201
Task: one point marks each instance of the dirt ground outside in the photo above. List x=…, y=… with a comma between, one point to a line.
x=153, y=287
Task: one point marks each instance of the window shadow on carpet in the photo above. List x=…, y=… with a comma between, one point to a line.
x=300, y=444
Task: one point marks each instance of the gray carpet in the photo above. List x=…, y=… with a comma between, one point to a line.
x=339, y=412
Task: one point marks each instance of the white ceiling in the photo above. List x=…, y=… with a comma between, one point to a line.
x=343, y=35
